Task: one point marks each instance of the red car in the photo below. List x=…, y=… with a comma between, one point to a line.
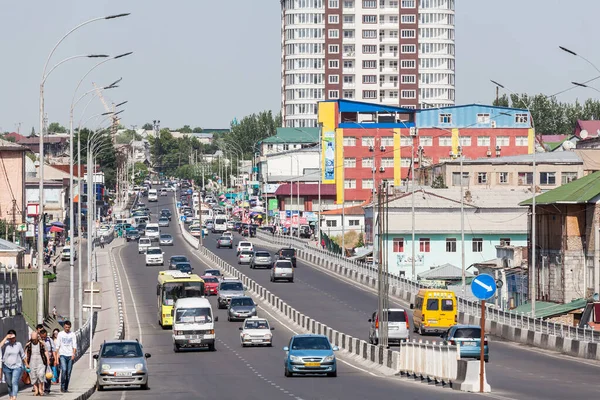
x=211, y=285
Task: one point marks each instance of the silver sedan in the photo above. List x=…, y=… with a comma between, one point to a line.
x=261, y=259
x=165, y=240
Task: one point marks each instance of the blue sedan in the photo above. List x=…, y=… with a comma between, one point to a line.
x=310, y=354
x=469, y=339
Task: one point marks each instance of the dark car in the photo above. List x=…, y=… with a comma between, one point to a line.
x=184, y=267
x=287, y=254
x=177, y=259
x=132, y=234
x=237, y=226
x=141, y=229
x=166, y=213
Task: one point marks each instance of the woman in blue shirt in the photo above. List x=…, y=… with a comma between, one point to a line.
x=13, y=358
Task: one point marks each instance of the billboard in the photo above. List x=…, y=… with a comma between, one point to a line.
x=328, y=154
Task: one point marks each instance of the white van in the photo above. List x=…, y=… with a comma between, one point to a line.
x=152, y=195
x=220, y=224
x=193, y=323
x=153, y=231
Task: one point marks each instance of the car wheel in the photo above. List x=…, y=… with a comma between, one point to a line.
x=287, y=373
x=292, y=280
x=269, y=344
x=332, y=374
x=145, y=386
x=243, y=345
x=486, y=359
x=175, y=348
x=211, y=347
x=99, y=387
x=228, y=318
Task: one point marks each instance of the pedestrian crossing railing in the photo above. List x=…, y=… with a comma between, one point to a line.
x=83, y=336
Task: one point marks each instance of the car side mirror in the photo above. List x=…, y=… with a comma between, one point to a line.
x=245, y=287
x=272, y=329
x=241, y=329
x=412, y=306
x=335, y=348
x=286, y=348
x=216, y=318
x=369, y=320
x=172, y=313
x=147, y=355
x=157, y=290
x=443, y=335
x=95, y=356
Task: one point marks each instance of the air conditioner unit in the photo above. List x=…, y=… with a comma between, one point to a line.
x=382, y=148
x=489, y=152
x=450, y=153
x=371, y=148
x=493, y=124
x=381, y=169
x=420, y=148
x=413, y=131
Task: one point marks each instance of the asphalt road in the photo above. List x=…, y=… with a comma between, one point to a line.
x=232, y=372
x=513, y=371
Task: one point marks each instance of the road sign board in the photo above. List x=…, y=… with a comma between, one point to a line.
x=483, y=286
x=182, y=218
x=22, y=228
x=178, y=204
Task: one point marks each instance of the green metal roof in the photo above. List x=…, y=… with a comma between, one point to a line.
x=544, y=309
x=294, y=135
x=580, y=191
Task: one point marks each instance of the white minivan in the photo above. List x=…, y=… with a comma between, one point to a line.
x=193, y=324
x=153, y=231
x=152, y=195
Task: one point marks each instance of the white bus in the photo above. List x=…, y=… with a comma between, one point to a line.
x=152, y=195
x=206, y=214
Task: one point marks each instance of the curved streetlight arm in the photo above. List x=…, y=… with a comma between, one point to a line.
x=519, y=97
x=69, y=59
x=580, y=56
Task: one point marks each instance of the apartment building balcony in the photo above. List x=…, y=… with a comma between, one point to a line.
x=388, y=39
x=388, y=85
x=348, y=85
x=388, y=54
x=388, y=69
x=348, y=70
x=389, y=100
x=348, y=40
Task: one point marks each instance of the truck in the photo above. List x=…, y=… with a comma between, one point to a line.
x=193, y=324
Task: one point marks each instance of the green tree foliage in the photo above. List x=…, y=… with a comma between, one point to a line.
x=361, y=240
x=55, y=127
x=197, y=130
x=141, y=172
x=106, y=157
x=127, y=137
x=147, y=126
x=185, y=129
x=551, y=116
x=251, y=129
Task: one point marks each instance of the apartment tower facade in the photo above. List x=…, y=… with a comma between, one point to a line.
x=391, y=52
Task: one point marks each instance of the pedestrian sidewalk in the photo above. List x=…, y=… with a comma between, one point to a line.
x=83, y=379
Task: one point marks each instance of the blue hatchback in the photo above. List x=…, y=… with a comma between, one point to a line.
x=469, y=339
x=310, y=354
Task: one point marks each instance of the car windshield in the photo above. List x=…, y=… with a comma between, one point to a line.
x=188, y=315
x=242, y=301
x=178, y=290
x=261, y=324
x=124, y=350
x=396, y=316
x=220, y=221
x=210, y=279
x=283, y=264
x=184, y=267
x=232, y=286
x=247, y=253
x=213, y=272
x=288, y=253
x=164, y=219
x=165, y=211
x=66, y=250
x=262, y=254
x=467, y=333
x=245, y=244
x=176, y=259
x=141, y=226
x=144, y=241
x=154, y=251
x=152, y=229
x=311, y=343
x=166, y=236
x=225, y=238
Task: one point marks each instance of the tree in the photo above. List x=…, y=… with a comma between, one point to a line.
x=197, y=130
x=502, y=101
x=250, y=130
x=361, y=240
x=147, y=126
x=32, y=131
x=106, y=158
x=127, y=137
x=55, y=127
x=185, y=129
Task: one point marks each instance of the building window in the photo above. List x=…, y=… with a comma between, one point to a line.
x=408, y=19
x=408, y=64
x=331, y=223
x=445, y=118
x=334, y=19
x=482, y=178
x=408, y=79
x=349, y=4
x=369, y=79
x=368, y=141
x=450, y=245
x=348, y=78
x=405, y=162
x=521, y=141
x=398, y=245
x=369, y=34
x=503, y=178
x=525, y=178
x=445, y=141
x=370, y=64
x=425, y=141
x=349, y=141
x=369, y=19
x=409, y=94
x=349, y=34
x=406, y=141
x=369, y=3
x=424, y=245
x=369, y=49
x=456, y=179
x=477, y=245
x=502, y=141
x=369, y=94
x=349, y=183
x=387, y=162
x=354, y=222
x=408, y=49
x=547, y=178
x=408, y=33
x=334, y=94
x=567, y=177
x=367, y=162
x=348, y=94
x=334, y=79
x=521, y=118
x=504, y=241
x=483, y=141
x=483, y=118
x=367, y=183
x=334, y=49
x=286, y=147
x=387, y=141
x=407, y=4
x=334, y=64
x=269, y=147
x=333, y=33
x=465, y=141
x=350, y=162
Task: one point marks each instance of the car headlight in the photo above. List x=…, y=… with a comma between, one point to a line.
x=138, y=367
x=295, y=359
x=269, y=335
x=105, y=367
x=329, y=358
x=253, y=309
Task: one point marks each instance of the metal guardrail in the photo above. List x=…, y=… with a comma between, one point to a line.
x=83, y=336
x=466, y=306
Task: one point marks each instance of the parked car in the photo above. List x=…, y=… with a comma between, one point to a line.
x=398, y=326
x=224, y=241
x=261, y=259
x=310, y=354
x=240, y=308
x=121, y=363
x=469, y=339
x=282, y=270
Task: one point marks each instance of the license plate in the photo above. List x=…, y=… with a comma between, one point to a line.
x=256, y=341
x=394, y=328
x=195, y=341
x=122, y=373
x=432, y=321
x=312, y=364
x=470, y=344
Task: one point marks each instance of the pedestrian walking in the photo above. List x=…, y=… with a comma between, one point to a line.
x=56, y=366
x=67, y=349
x=13, y=358
x=52, y=359
x=101, y=242
x=54, y=314
x=37, y=360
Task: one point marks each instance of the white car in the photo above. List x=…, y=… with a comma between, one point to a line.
x=144, y=244
x=228, y=234
x=242, y=246
x=163, y=192
x=153, y=231
x=155, y=256
x=256, y=332
x=230, y=225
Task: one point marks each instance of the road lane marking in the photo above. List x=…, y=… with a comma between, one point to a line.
x=135, y=309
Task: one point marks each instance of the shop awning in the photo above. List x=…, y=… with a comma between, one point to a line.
x=56, y=229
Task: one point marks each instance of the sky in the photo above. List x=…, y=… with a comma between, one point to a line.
x=203, y=63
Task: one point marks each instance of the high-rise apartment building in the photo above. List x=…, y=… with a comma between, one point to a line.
x=392, y=52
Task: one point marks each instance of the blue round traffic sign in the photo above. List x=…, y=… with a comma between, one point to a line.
x=483, y=286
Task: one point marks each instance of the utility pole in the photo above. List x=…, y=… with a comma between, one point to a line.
x=156, y=125
x=14, y=219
